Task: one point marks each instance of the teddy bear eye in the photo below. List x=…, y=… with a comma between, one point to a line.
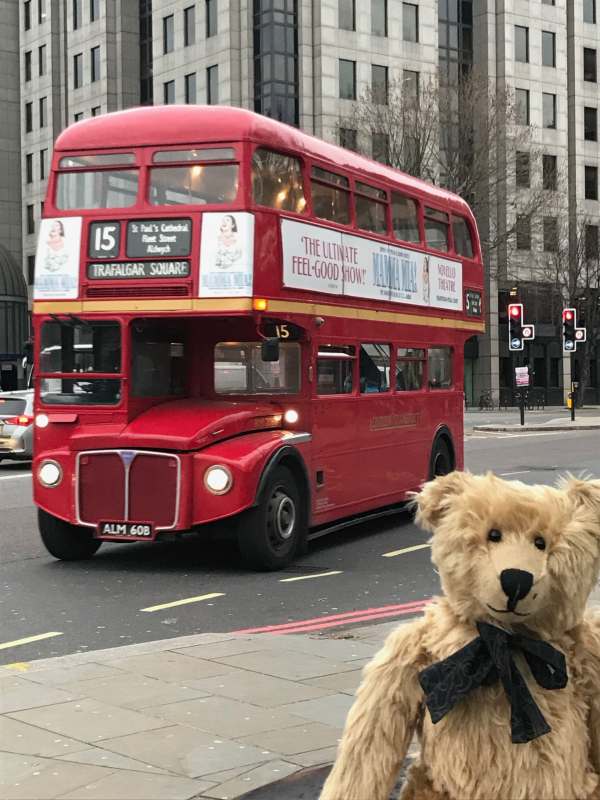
x=540, y=542
x=494, y=535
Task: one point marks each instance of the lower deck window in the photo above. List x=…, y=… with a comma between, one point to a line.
x=440, y=367
x=374, y=368
x=81, y=391
x=335, y=368
x=409, y=369
x=239, y=369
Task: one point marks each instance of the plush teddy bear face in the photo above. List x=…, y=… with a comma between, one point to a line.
x=511, y=552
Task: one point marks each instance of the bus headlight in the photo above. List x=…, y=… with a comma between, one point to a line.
x=50, y=473
x=291, y=416
x=218, y=479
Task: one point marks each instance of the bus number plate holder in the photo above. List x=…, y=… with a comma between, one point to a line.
x=125, y=531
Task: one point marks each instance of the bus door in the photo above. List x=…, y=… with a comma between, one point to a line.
x=335, y=455
x=411, y=423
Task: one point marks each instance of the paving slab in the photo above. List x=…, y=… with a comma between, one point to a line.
x=133, y=786
x=105, y=758
x=187, y=751
x=301, y=739
x=346, y=682
x=17, y=694
x=331, y=710
x=288, y=664
x=254, y=778
x=169, y=666
x=260, y=690
x=132, y=691
x=89, y=720
x=19, y=737
x=34, y=778
x=227, y=717
x=82, y=672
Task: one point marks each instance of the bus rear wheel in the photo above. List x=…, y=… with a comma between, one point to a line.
x=441, y=460
x=65, y=541
x=270, y=534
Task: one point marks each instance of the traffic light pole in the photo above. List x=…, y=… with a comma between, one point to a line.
x=573, y=390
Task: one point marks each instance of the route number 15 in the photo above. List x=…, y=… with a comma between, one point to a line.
x=104, y=239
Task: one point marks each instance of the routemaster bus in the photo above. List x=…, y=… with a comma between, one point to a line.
x=238, y=325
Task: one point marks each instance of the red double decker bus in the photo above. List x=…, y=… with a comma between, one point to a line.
x=236, y=322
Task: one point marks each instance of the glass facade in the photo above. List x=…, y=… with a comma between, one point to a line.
x=276, y=90
x=455, y=30
x=146, y=85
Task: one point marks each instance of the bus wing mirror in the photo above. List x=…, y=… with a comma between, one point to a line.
x=269, y=349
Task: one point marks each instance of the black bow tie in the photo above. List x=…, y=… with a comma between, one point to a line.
x=487, y=659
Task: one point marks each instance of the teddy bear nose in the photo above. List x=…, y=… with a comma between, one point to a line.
x=516, y=584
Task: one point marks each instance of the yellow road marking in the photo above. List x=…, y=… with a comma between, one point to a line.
x=393, y=553
x=29, y=639
x=18, y=666
x=184, y=601
x=308, y=577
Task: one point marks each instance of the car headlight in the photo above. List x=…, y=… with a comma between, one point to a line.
x=50, y=473
x=218, y=479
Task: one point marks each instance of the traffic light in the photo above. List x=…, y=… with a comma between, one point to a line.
x=518, y=331
x=572, y=335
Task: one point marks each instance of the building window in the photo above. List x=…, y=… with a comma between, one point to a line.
x=523, y=232
x=522, y=170
x=592, y=241
x=548, y=110
x=591, y=183
x=212, y=85
x=590, y=124
x=410, y=22
x=29, y=168
x=42, y=59
x=189, y=26
x=41, y=11
x=211, y=18
x=276, y=89
x=146, y=80
x=76, y=14
x=379, y=84
x=347, y=15
x=43, y=108
x=590, y=70
x=348, y=138
x=77, y=70
x=410, y=83
x=549, y=172
x=550, y=234
x=548, y=2
x=78, y=116
x=169, y=93
x=30, y=220
x=380, y=147
x=589, y=11
x=168, y=36
x=30, y=270
x=379, y=17
x=95, y=64
x=43, y=157
x=190, y=87
x=27, y=65
x=548, y=49
x=96, y=111
x=27, y=15
x=94, y=10
x=522, y=106
x=521, y=44
x=28, y=117
x=347, y=79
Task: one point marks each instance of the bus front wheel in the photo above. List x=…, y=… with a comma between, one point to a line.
x=270, y=534
x=441, y=460
x=65, y=541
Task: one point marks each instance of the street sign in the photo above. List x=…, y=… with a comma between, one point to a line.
x=522, y=376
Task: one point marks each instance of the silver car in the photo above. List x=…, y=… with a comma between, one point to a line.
x=16, y=425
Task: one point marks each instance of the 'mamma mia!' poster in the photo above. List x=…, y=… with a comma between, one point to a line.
x=226, y=254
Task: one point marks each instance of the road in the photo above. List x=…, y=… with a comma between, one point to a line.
x=110, y=600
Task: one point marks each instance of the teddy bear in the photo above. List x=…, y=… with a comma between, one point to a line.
x=500, y=678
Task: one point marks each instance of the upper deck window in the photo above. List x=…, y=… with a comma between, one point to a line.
x=96, y=160
x=436, y=229
x=331, y=196
x=200, y=184
x=370, y=208
x=102, y=188
x=277, y=181
x=463, y=244
x=405, y=221
x=204, y=154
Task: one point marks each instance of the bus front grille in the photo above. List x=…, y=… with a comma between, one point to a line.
x=138, y=291
x=128, y=486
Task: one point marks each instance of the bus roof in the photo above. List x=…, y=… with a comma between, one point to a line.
x=194, y=124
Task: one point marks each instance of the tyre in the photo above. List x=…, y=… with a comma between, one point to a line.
x=441, y=460
x=65, y=541
x=270, y=534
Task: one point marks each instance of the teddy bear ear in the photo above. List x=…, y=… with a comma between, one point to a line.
x=437, y=495
x=581, y=491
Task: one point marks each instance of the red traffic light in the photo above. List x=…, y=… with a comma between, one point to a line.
x=514, y=310
x=568, y=314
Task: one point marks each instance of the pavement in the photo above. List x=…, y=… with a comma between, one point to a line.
x=212, y=716
x=552, y=418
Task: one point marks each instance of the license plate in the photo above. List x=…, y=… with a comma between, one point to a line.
x=126, y=531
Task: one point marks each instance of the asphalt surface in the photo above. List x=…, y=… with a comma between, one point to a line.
x=100, y=603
